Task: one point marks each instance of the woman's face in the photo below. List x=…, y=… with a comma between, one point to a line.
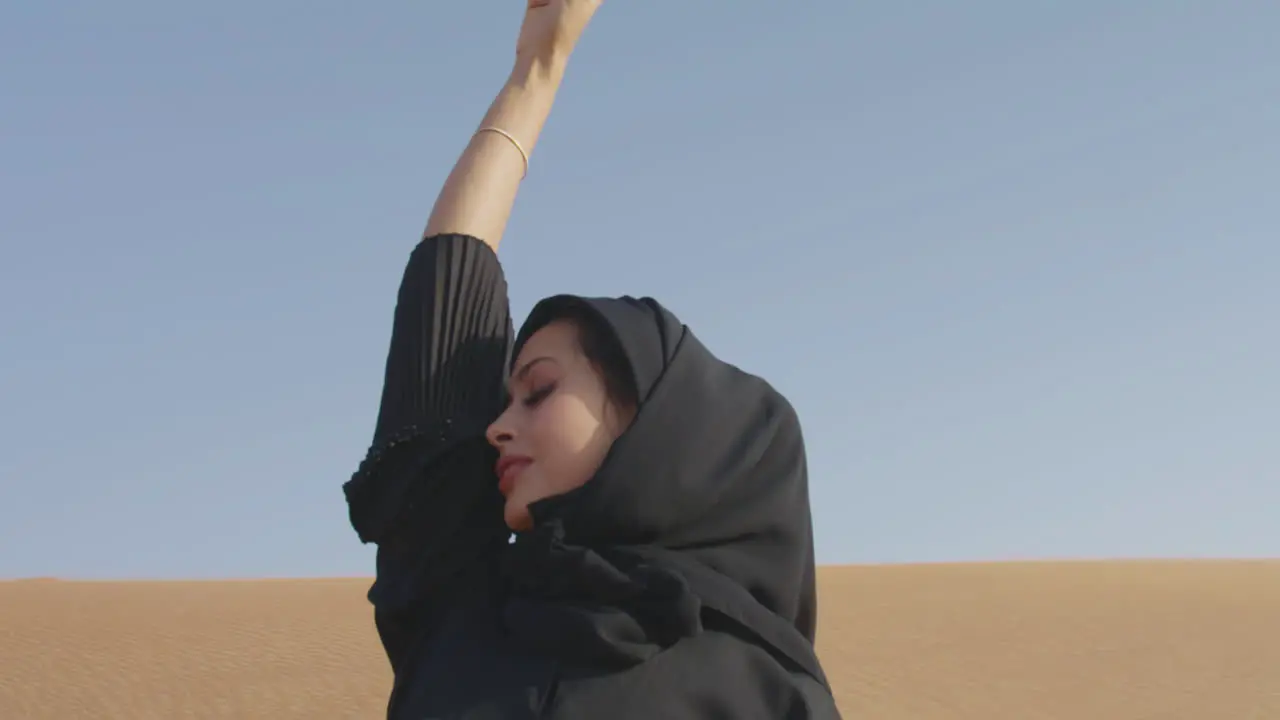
x=559, y=426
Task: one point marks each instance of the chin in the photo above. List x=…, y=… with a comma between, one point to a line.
x=516, y=514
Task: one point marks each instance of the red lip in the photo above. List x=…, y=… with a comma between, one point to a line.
x=508, y=468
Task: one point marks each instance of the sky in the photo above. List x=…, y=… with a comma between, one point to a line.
x=1016, y=264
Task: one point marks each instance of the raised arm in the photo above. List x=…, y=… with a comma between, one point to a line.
x=425, y=492
x=477, y=197
x=452, y=326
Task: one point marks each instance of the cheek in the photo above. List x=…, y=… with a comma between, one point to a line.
x=569, y=442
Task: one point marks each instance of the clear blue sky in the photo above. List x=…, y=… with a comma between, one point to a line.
x=1017, y=264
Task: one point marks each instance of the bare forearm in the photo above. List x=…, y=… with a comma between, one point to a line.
x=478, y=195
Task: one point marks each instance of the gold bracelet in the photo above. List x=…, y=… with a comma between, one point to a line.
x=524, y=155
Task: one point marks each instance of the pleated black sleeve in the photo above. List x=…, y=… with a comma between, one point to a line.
x=426, y=493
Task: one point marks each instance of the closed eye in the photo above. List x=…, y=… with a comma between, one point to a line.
x=537, y=396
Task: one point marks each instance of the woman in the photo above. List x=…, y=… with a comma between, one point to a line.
x=662, y=565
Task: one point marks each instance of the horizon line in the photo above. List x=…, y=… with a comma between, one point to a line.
x=864, y=565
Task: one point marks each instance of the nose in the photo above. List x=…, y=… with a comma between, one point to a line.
x=499, y=432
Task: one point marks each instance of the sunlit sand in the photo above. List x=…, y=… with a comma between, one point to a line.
x=1085, y=641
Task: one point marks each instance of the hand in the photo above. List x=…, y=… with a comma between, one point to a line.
x=552, y=27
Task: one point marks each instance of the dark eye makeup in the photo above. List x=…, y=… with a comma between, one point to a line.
x=537, y=396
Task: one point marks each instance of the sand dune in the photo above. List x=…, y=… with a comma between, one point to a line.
x=1085, y=641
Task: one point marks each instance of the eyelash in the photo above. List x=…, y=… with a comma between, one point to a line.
x=537, y=396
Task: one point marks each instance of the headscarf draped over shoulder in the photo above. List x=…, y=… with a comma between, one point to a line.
x=700, y=510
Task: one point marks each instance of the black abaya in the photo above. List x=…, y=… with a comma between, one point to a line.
x=677, y=583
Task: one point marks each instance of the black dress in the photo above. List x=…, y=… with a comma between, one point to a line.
x=427, y=495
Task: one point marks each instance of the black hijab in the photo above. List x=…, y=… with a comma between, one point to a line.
x=699, y=514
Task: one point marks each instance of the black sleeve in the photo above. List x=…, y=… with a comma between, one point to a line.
x=425, y=493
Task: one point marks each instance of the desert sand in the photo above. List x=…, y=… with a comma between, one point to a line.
x=1086, y=641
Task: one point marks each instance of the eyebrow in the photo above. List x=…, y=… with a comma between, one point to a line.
x=520, y=374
